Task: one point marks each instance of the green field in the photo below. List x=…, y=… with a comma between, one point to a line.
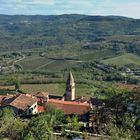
x=36, y=62
x=98, y=55
x=122, y=60
x=57, y=89
x=33, y=62
x=59, y=65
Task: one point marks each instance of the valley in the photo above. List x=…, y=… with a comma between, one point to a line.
x=69, y=75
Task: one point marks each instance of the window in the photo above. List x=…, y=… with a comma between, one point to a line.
x=30, y=111
x=35, y=106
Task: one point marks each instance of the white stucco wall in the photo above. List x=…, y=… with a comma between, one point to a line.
x=32, y=109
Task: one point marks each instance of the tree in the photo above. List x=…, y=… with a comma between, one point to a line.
x=126, y=130
x=41, y=127
x=73, y=125
x=11, y=126
x=17, y=85
x=15, y=80
x=117, y=133
x=53, y=116
x=38, y=129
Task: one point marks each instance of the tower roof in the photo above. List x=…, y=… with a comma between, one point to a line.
x=70, y=78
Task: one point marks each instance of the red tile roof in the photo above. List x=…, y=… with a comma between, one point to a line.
x=42, y=94
x=40, y=109
x=70, y=107
x=19, y=101
x=1, y=99
x=23, y=102
x=6, y=99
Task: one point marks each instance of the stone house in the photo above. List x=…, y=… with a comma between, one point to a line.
x=21, y=104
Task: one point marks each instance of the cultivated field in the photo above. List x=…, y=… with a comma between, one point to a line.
x=122, y=60
x=37, y=63
x=98, y=55
x=34, y=62
x=56, y=89
x=59, y=65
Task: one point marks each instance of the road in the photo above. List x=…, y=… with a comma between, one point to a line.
x=15, y=61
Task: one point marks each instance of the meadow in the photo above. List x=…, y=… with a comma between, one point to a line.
x=38, y=63
x=55, y=89
x=122, y=60
x=98, y=55
x=33, y=62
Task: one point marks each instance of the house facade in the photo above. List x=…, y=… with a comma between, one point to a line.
x=20, y=104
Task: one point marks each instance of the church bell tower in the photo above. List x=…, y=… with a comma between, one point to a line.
x=70, y=88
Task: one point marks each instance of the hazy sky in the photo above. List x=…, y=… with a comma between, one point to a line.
x=129, y=8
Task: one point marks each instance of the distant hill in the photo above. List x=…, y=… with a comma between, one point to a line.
x=92, y=32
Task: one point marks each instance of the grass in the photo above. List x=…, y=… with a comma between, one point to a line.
x=56, y=89
x=59, y=65
x=34, y=62
x=37, y=63
x=124, y=59
x=98, y=55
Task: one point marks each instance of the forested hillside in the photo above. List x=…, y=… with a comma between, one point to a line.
x=89, y=32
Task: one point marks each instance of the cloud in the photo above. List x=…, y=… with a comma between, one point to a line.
x=26, y=2
x=128, y=8
x=41, y=2
x=131, y=9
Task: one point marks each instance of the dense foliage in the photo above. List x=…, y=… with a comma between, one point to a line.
x=94, y=32
x=48, y=47
x=119, y=119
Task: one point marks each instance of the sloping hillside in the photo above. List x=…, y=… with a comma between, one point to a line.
x=125, y=59
x=21, y=32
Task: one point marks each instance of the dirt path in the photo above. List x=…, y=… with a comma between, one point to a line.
x=15, y=62
x=19, y=59
x=44, y=65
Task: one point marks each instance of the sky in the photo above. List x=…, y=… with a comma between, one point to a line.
x=128, y=8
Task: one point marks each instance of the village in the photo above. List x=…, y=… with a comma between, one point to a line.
x=73, y=76
x=31, y=104
x=28, y=105
x=86, y=109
